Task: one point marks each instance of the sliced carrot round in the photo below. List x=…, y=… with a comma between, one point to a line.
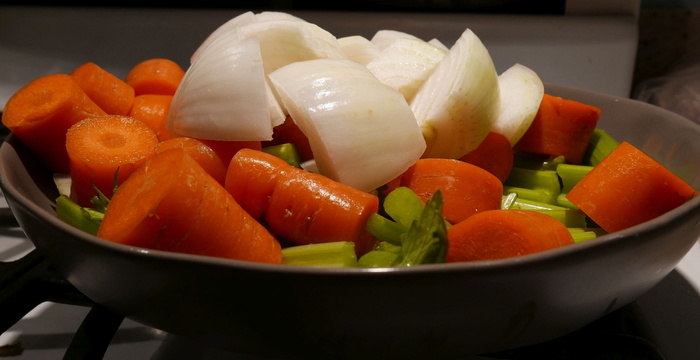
x=41, y=112
x=100, y=147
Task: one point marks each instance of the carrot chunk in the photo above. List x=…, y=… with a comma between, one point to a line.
x=500, y=234
x=41, y=112
x=153, y=110
x=300, y=206
x=628, y=187
x=108, y=91
x=466, y=188
x=562, y=127
x=203, y=154
x=170, y=203
x=251, y=178
x=494, y=154
x=155, y=76
x=97, y=147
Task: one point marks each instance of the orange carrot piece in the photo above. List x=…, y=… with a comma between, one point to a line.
x=494, y=154
x=153, y=110
x=227, y=149
x=627, y=188
x=289, y=132
x=466, y=188
x=202, y=153
x=41, y=112
x=99, y=146
x=500, y=234
x=561, y=127
x=155, y=76
x=298, y=205
x=108, y=91
x=309, y=208
x=172, y=204
x=251, y=178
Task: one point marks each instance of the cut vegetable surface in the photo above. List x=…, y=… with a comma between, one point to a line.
x=520, y=92
x=458, y=103
x=500, y=234
x=494, y=155
x=405, y=64
x=104, y=150
x=172, y=204
x=346, y=114
x=562, y=127
x=41, y=112
x=627, y=188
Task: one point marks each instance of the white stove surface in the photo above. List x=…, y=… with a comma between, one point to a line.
x=594, y=52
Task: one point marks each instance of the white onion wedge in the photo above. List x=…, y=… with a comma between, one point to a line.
x=362, y=132
x=358, y=48
x=405, y=64
x=457, y=105
x=283, y=42
x=223, y=95
x=384, y=38
x=521, y=91
x=240, y=20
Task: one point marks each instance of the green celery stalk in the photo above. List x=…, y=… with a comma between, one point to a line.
x=570, y=218
x=581, y=235
x=526, y=204
x=537, y=195
x=403, y=206
x=377, y=259
x=385, y=229
x=571, y=174
x=600, y=145
x=563, y=201
x=331, y=254
x=534, y=179
x=287, y=152
x=537, y=162
x=426, y=240
x=82, y=218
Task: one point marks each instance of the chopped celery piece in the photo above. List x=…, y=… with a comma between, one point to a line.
x=385, y=229
x=570, y=175
x=538, y=195
x=570, y=218
x=377, y=258
x=403, y=205
x=563, y=201
x=508, y=201
x=82, y=218
x=386, y=246
x=287, y=152
x=426, y=240
x=526, y=204
x=537, y=162
x=63, y=183
x=547, y=180
x=581, y=235
x=331, y=254
x=600, y=145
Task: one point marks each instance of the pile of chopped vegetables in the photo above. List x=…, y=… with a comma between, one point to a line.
x=281, y=143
